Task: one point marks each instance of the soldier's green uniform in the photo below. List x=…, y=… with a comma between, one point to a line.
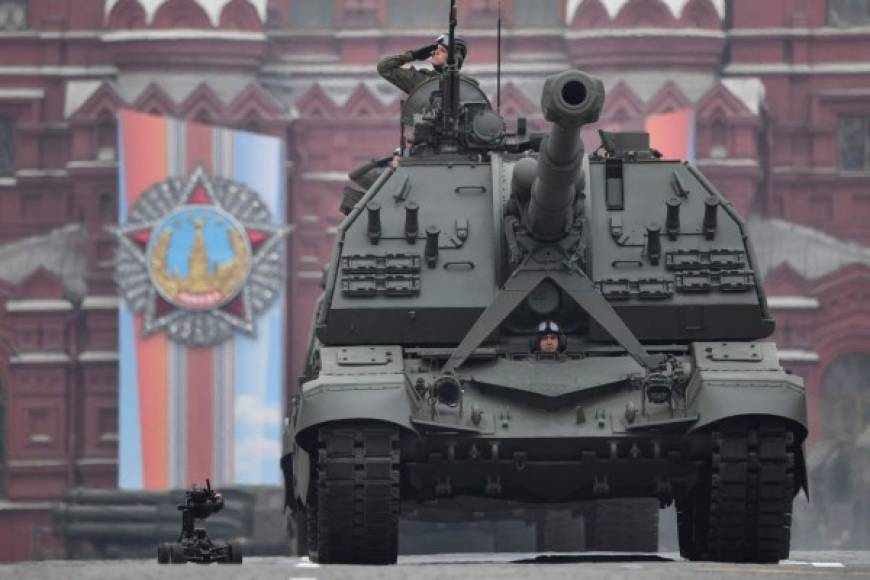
x=407, y=79
x=390, y=67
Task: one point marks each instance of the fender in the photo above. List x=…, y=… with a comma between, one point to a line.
x=737, y=378
x=740, y=379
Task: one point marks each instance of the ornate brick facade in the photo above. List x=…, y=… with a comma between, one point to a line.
x=770, y=84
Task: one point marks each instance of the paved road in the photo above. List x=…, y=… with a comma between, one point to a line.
x=822, y=565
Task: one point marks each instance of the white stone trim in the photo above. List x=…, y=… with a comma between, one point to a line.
x=36, y=462
x=614, y=6
x=8, y=182
x=827, y=31
x=393, y=33
x=183, y=34
x=97, y=461
x=793, y=302
x=36, y=173
x=92, y=164
x=39, y=358
x=99, y=356
x=310, y=274
x=324, y=176
x=212, y=8
x=39, y=305
x=831, y=68
x=736, y=162
x=69, y=34
x=29, y=94
x=54, y=34
x=63, y=70
x=644, y=32
x=797, y=355
x=8, y=506
x=365, y=70
x=803, y=169
x=101, y=303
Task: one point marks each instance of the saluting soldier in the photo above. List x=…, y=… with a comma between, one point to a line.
x=393, y=68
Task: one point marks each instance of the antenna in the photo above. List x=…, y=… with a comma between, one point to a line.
x=498, y=64
x=450, y=78
x=401, y=129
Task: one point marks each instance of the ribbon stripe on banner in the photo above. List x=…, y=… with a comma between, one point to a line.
x=201, y=270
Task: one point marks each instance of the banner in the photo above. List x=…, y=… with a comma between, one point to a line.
x=201, y=267
x=673, y=134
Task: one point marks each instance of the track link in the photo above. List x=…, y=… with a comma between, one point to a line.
x=354, y=501
x=741, y=510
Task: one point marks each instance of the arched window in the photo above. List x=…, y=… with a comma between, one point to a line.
x=848, y=13
x=538, y=13
x=846, y=397
x=106, y=136
x=13, y=15
x=107, y=208
x=7, y=147
x=853, y=139
x=2, y=437
x=417, y=14
x=718, y=139
x=310, y=13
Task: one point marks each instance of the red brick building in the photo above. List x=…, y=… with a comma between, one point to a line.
x=780, y=90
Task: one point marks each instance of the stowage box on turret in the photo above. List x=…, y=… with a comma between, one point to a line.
x=423, y=379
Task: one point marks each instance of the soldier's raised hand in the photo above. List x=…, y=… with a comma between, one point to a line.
x=424, y=52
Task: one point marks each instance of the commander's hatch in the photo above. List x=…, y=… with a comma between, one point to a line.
x=420, y=99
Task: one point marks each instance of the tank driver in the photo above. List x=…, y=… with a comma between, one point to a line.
x=392, y=68
x=550, y=340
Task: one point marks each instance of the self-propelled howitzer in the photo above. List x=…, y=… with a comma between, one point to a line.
x=422, y=381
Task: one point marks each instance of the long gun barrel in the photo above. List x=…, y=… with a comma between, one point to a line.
x=569, y=100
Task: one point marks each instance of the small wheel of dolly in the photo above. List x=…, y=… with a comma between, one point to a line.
x=163, y=553
x=176, y=554
x=235, y=553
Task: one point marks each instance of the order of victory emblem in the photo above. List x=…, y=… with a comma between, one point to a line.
x=199, y=258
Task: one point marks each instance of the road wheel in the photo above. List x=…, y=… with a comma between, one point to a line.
x=741, y=510
x=355, y=495
x=163, y=553
x=297, y=523
x=235, y=553
x=623, y=525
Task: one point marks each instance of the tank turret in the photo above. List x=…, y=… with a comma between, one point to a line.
x=569, y=100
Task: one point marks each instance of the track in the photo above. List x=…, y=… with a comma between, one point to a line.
x=741, y=509
x=356, y=497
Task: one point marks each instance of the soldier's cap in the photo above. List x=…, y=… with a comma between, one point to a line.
x=458, y=41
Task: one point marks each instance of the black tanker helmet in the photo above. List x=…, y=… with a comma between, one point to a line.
x=550, y=327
